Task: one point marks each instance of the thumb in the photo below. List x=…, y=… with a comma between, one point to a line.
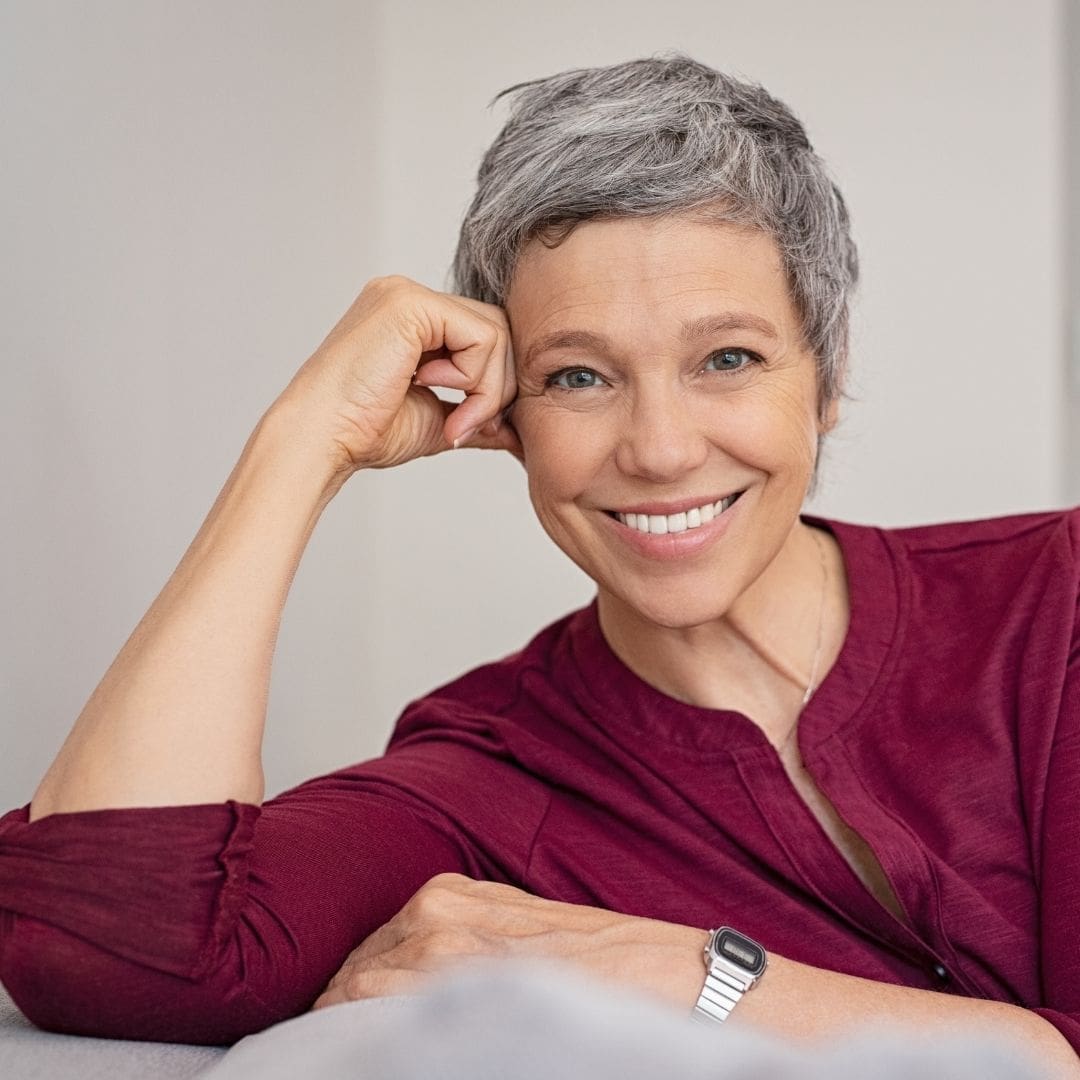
x=496, y=434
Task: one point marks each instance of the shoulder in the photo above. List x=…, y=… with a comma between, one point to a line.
x=1001, y=549
x=1012, y=529
x=956, y=593
x=991, y=562
x=484, y=700
x=1024, y=531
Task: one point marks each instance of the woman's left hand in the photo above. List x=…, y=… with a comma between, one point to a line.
x=453, y=918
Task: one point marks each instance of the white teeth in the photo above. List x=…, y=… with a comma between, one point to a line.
x=660, y=524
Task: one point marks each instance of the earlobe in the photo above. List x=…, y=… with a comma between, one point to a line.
x=831, y=417
x=512, y=443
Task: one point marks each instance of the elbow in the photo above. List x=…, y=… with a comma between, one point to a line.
x=66, y=985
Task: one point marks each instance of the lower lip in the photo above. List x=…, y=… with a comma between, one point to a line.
x=671, y=546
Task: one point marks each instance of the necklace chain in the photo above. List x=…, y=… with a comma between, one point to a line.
x=811, y=685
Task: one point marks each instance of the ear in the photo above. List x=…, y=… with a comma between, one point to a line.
x=831, y=417
x=501, y=437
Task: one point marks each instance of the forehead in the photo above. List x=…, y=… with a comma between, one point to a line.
x=649, y=276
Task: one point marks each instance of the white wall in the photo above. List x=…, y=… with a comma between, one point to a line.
x=192, y=194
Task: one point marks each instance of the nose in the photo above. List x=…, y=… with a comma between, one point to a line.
x=663, y=440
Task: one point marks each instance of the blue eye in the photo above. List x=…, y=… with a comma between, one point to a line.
x=575, y=379
x=730, y=360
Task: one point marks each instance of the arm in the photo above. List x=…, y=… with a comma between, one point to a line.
x=179, y=716
x=802, y=1002
x=206, y=923
x=142, y=895
x=452, y=918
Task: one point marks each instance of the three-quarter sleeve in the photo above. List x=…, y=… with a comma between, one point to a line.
x=206, y=923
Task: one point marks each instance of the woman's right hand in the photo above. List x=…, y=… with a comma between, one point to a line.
x=367, y=389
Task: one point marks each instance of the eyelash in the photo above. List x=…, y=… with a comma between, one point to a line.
x=552, y=379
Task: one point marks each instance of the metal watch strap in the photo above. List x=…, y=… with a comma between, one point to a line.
x=725, y=981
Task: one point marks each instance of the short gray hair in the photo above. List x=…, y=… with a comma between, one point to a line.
x=656, y=136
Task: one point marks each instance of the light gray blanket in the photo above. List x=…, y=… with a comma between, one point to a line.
x=496, y=1020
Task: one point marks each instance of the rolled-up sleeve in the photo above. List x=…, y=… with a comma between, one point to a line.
x=161, y=888
x=205, y=923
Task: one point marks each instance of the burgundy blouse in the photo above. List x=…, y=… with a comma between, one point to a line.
x=947, y=735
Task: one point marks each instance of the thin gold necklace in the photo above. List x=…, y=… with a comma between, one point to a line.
x=811, y=684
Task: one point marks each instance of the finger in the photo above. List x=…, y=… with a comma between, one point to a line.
x=392, y=982
x=443, y=372
x=483, y=404
x=510, y=386
x=480, y=355
x=492, y=436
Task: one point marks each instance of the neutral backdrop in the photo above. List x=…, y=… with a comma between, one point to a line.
x=192, y=193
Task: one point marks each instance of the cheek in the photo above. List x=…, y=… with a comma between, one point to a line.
x=773, y=431
x=563, y=450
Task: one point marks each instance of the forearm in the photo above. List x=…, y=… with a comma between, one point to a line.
x=805, y=1003
x=178, y=717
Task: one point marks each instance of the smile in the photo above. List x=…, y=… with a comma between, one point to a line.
x=662, y=524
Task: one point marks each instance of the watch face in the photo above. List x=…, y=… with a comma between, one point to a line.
x=738, y=949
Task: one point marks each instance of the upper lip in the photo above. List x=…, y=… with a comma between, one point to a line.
x=665, y=509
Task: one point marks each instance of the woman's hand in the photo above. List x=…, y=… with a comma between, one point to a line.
x=453, y=918
x=367, y=391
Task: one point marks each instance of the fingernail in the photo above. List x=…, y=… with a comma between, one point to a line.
x=464, y=437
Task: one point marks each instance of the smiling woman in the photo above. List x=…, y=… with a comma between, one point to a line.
x=728, y=781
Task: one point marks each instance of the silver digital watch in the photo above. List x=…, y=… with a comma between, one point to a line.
x=733, y=965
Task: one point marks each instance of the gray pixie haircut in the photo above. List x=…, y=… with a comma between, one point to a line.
x=657, y=136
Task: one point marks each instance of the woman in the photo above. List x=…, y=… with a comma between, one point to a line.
x=857, y=747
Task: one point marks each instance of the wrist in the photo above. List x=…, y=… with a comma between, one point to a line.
x=734, y=963
x=288, y=435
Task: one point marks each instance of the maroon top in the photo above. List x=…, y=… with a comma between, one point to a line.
x=947, y=735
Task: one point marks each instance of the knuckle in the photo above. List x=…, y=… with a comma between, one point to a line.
x=443, y=940
x=389, y=283
x=434, y=897
x=449, y=880
x=489, y=311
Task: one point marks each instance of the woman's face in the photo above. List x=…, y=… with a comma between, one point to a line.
x=661, y=372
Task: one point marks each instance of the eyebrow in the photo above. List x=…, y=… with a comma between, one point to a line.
x=704, y=327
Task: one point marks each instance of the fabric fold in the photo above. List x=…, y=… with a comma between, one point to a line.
x=159, y=886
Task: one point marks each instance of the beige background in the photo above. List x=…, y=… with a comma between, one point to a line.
x=192, y=193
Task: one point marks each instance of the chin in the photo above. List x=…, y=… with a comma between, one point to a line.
x=673, y=610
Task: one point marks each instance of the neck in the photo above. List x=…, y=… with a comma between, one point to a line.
x=758, y=656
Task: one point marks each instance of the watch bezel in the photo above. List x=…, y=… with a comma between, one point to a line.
x=728, y=933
